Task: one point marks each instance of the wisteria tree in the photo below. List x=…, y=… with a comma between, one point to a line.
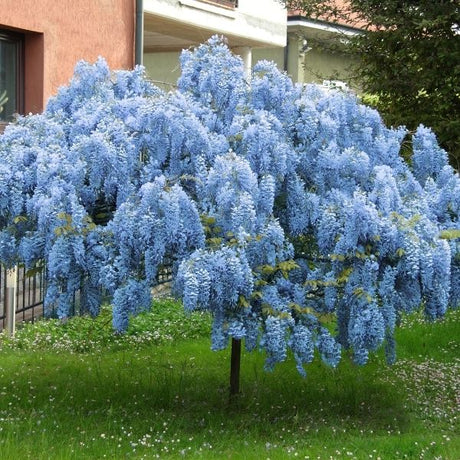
x=276, y=206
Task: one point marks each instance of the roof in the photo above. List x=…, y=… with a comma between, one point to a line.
x=340, y=14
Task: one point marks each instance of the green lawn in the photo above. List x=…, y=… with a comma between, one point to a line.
x=76, y=391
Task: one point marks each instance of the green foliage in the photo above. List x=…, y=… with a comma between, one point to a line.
x=283, y=268
x=156, y=402
x=164, y=323
x=169, y=322
x=409, y=58
x=451, y=234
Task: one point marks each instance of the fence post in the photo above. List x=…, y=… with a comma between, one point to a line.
x=10, y=300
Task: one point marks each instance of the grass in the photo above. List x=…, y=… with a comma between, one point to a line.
x=76, y=391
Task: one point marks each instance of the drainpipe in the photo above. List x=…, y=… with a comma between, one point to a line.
x=139, y=34
x=286, y=55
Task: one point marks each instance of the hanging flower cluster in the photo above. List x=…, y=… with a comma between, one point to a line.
x=278, y=206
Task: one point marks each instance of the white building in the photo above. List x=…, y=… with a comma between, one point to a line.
x=173, y=25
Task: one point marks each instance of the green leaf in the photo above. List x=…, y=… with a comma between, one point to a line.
x=242, y=301
x=344, y=275
x=214, y=241
x=19, y=219
x=266, y=269
x=450, y=234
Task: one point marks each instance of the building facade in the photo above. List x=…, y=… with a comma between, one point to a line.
x=308, y=50
x=42, y=40
x=173, y=25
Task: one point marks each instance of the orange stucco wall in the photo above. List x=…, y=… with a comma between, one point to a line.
x=59, y=33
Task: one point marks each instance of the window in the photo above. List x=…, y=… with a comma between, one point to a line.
x=11, y=74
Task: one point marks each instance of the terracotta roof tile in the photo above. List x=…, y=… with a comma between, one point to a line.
x=347, y=18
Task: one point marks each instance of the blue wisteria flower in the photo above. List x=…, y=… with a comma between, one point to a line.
x=274, y=206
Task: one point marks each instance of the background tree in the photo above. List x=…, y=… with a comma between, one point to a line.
x=408, y=56
x=277, y=206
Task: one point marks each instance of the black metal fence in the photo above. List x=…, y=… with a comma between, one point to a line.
x=29, y=294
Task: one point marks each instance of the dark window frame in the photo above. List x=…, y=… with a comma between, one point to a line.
x=230, y=4
x=19, y=40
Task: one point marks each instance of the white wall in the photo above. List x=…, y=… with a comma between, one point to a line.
x=260, y=22
x=163, y=68
x=270, y=54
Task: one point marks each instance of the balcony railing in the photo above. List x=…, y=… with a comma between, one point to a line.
x=232, y=4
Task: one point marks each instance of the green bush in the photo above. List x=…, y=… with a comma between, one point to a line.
x=165, y=322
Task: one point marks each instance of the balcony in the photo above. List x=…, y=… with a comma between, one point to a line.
x=172, y=25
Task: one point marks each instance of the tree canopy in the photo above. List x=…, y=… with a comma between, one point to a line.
x=408, y=56
x=278, y=206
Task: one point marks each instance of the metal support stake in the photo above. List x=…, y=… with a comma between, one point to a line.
x=10, y=298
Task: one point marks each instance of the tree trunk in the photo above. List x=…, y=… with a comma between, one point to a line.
x=235, y=367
